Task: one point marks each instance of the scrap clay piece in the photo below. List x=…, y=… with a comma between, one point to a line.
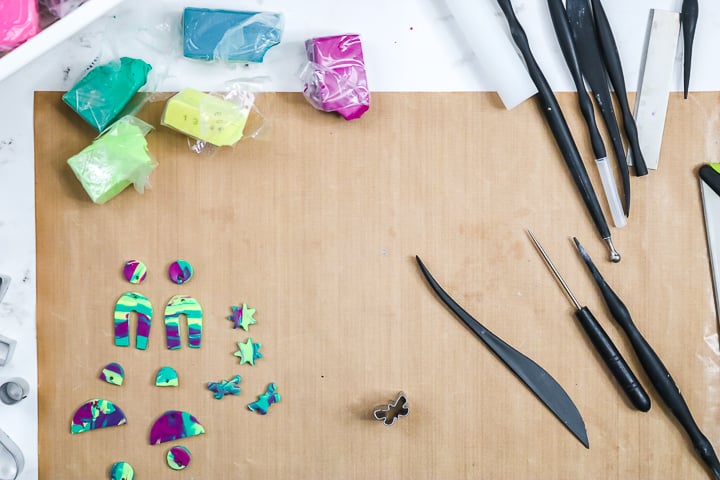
x=207, y=117
x=113, y=373
x=262, y=404
x=336, y=80
x=188, y=306
x=14, y=391
x=228, y=35
x=178, y=458
x=114, y=160
x=225, y=387
x=122, y=471
x=180, y=272
x=12, y=460
x=392, y=411
x=135, y=271
x=95, y=414
x=19, y=21
x=7, y=349
x=242, y=317
x=166, y=377
x=105, y=91
x=248, y=352
x=127, y=303
x=174, y=425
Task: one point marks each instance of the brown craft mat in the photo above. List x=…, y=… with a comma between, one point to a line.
x=317, y=229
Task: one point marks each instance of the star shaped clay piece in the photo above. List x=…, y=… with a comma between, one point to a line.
x=248, y=352
x=242, y=317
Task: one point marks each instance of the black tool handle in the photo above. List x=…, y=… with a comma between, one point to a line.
x=655, y=369
x=689, y=17
x=564, y=36
x=614, y=360
x=617, y=78
x=557, y=123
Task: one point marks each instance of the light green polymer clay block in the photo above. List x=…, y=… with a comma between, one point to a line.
x=114, y=160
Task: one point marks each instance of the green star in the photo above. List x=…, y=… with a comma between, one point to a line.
x=248, y=352
x=242, y=317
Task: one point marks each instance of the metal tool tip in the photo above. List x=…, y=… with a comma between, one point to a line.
x=614, y=255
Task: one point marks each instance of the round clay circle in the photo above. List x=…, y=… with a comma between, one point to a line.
x=178, y=458
x=122, y=471
x=134, y=271
x=180, y=272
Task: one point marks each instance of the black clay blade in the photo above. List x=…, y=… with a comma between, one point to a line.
x=586, y=44
x=540, y=382
x=689, y=17
x=710, y=176
x=617, y=78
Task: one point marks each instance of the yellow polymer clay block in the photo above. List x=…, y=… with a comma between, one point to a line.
x=207, y=117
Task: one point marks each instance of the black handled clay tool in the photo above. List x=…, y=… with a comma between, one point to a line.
x=592, y=67
x=602, y=342
x=656, y=371
x=540, y=382
x=555, y=119
x=689, y=18
x=617, y=78
x=567, y=46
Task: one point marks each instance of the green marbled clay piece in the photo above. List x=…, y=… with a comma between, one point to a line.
x=122, y=471
x=100, y=97
x=167, y=377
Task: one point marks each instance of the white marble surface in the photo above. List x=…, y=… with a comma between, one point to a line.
x=410, y=45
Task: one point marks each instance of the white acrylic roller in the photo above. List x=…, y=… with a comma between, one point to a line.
x=484, y=27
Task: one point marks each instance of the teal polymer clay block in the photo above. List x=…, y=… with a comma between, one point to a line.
x=103, y=93
x=228, y=35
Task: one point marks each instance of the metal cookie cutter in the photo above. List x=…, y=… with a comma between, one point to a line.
x=7, y=349
x=14, y=391
x=4, y=283
x=392, y=411
x=12, y=460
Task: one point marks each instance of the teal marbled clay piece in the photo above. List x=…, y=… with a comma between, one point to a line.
x=242, y=317
x=262, y=404
x=248, y=352
x=166, y=377
x=122, y=471
x=188, y=306
x=127, y=303
x=180, y=272
x=225, y=387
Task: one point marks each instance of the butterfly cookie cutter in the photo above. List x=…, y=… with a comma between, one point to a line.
x=392, y=411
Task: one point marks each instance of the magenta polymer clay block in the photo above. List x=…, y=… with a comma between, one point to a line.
x=336, y=80
x=19, y=21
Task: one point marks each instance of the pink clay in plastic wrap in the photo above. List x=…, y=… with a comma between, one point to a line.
x=335, y=78
x=19, y=21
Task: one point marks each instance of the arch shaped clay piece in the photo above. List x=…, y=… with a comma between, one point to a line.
x=127, y=303
x=188, y=306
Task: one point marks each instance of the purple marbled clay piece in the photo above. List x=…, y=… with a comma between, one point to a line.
x=174, y=425
x=180, y=272
x=97, y=413
x=134, y=271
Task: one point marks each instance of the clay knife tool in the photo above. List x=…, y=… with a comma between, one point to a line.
x=556, y=121
x=617, y=78
x=689, y=18
x=586, y=44
x=540, y=382
x=654, y=367
x=602, y=342
x=564, y=36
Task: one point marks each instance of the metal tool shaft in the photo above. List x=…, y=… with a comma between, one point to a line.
x=554, y=270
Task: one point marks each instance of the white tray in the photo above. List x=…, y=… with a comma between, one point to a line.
x=54, y=34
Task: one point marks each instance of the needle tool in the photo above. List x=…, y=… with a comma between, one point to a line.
x=592, y=67
x=556, y=121
x=656, y=371
x=689, y=18
x=617, y=78
x=540, y=382
x=601, y=341
x=564, y=36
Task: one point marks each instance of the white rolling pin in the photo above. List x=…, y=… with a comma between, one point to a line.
x=484, y=27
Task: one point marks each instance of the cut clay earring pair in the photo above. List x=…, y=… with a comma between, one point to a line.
x=179, y=272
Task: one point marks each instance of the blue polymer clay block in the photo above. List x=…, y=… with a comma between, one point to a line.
x=229, y=35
